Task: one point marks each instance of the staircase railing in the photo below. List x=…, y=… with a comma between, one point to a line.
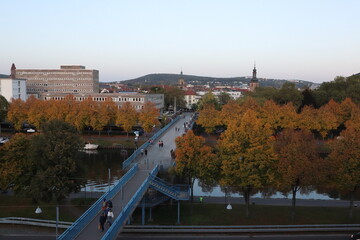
x=176, y=192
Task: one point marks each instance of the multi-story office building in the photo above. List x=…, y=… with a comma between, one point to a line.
x=137, y=100
x=67, y=79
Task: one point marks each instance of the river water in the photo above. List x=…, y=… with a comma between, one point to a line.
x=97, y=164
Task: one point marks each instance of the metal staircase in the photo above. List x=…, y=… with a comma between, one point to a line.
x=177, y=192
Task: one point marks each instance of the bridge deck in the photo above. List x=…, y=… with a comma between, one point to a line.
x=156, y=155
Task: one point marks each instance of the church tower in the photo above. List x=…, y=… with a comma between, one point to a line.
x=254, y=83
x=13, y=71
x=181, y=80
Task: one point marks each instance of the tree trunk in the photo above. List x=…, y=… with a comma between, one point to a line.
x=293, y=202
x=247, y=200
x=191, y=182
x=351, y=209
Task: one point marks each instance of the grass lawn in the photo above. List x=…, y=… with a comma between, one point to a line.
x=217, y=214
x=191, y=214
x=127, y=142
x=15, y=206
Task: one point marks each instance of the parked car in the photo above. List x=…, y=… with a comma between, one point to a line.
x=30, y=130
x=3, y=140
x=355, y=236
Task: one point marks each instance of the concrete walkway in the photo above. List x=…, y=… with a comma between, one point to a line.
x=156, y=155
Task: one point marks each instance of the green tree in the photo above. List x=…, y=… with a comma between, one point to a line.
x=52, y=168
x=288, y=93
x=208, y=98
x=13, y=156
x=338, y=89
x=224, y=98
x=4, y=107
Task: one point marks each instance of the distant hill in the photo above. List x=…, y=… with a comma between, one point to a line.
x=172, y=79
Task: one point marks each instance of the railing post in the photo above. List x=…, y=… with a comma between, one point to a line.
x=178, y=220
x=143, y=211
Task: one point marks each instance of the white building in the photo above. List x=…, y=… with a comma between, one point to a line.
x=191, y=98
x=12, y=88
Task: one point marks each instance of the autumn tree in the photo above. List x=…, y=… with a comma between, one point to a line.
x=195, y=160
x=246, y=150
x=17, y=113
x=344, y=158
x=127, y=117
x=298, y=166
x=148, y=116
x=208, y=118
x=229, y=112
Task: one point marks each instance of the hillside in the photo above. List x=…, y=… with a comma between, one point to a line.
x=172, y=79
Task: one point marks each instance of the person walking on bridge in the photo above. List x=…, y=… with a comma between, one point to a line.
x=102, y=221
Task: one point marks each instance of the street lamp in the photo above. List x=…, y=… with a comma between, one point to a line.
x=38, y=210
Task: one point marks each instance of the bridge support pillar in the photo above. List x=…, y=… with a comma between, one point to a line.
x=143, y=211
x=150, y=214
x=178, y=220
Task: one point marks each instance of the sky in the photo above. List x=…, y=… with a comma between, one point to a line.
x=312, y=40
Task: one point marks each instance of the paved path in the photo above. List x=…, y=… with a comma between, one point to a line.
x=156, y=155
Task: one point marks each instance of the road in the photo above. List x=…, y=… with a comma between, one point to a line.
x=341, y=236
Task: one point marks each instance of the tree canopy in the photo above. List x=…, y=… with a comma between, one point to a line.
x=45, y=166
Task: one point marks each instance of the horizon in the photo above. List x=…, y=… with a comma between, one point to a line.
x=305, y=40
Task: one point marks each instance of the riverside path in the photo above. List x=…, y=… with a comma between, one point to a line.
x=156, y=155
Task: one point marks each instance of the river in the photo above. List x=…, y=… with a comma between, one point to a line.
x=98, y=163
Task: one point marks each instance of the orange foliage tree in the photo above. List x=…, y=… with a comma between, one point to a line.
x=127, y=117
x=208, y=118
x=194, y=159
x=246, y=150
x=344, y=158
x=148, y=116
x=17, y=113
x=298, y=165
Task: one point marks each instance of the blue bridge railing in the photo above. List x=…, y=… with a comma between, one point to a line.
x=92, y=212
x=128, y=209
x=136, y=153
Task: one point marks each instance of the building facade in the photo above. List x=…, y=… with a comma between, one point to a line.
x=137, y=100
x=12, y=88
x=67, y=79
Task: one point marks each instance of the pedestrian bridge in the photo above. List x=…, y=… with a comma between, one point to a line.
x=129, y=192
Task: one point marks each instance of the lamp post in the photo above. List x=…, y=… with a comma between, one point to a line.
x=38, y=210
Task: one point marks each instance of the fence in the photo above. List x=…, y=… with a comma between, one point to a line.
x=89, y=215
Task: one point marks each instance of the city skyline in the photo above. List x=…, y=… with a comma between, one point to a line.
x=305, y=40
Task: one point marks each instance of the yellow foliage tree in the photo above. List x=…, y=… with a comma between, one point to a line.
x=246, y=150
x=148, y=116
x=127, y=117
